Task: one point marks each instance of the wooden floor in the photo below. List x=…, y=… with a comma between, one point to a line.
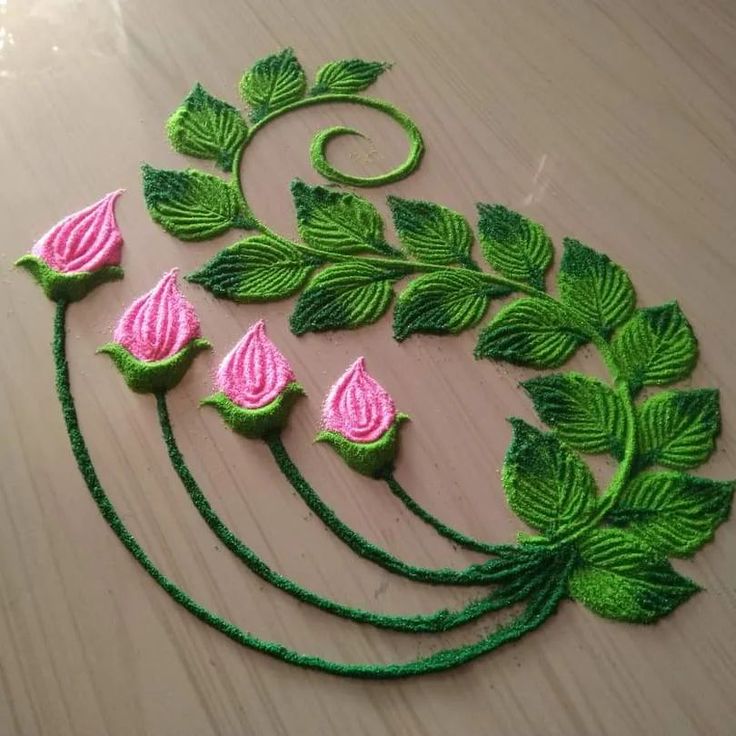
x=611, y=121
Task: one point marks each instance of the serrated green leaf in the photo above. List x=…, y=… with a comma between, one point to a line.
x=346, y=295
x=585, y=413
x=206, y=127
x=443, y=302
x=191, y=204
x=547, y=485
x=347, y=76
x=339, y=222
x=595, y=286
x=674, y=513
x=530, y=331
x=677, y=429
x=432, y=233
x=515, y=246
x=656, y=346
x=258, y=269
x=272, y=83
x=622, y=578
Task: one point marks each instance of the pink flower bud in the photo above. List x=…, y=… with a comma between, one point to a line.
x=358, y=407
x=158, y=324
x=84, y=241
x=254, y=372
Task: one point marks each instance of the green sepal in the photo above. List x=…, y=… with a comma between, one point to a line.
x=368, y=458
x=256, y=423
x=674, y=513
x=207, y=127
x=67, y=287
x=347, y=76
x=272, y=83
x=193, y=205
x=160, y=375
x=622, y=578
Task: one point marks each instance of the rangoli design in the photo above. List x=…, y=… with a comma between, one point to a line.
x=606, y=548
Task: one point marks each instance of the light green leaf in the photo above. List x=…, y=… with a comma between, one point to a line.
x=272, y=83
x=530, y=331
x=674, y=513
x=432, y=233
x=622, y=578
x=258, y=269
x=443, y=302
x=191, y=204
x=595, y=286
x=547, y=485
x=585, y=413
x=206, y=127
x=340, y=222
x=655, y=346
x=346, y=295
x=677, y=429
x=515, y=246
x=347, y=76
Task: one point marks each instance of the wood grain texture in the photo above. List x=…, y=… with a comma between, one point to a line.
x=610, y=121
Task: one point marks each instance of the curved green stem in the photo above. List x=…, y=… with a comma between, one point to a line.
x=542, y=604
x=441, y=620
x=463, y=540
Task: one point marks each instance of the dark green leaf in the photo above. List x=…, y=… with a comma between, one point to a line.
x=530, y=331
x=432, y=233
x=547, y=485
x=344, y=296
x=595, y=286
x=655, y=346
x=258, y=269
x=340, y=222
x=674, y=513
x=585, y=413
x=515, y=246
x=206, y=127
x=443, y=302
x=347, y=76
x=678, y=428
x=622, y=578
x=191, y=204
x=273, y=82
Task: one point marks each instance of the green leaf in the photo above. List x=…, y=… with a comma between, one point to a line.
x=595, y=286
x=586, y=414
x=191, y=204
x=432, y=233
x=547, y=485
x=339, y=222
x=677, y=429
x=346, y=295
x=655, y=346
x=206, y=127
x=622, y=578
x=443, y=302
x=515, y=246
x=674, y=513
x=347, y=76
x=530, y=331
x=258, y=269
x=272, y=83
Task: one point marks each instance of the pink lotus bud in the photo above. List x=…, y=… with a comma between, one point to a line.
x=158, y=324
x=85, y=241
x=254, y=372
x=358, y=407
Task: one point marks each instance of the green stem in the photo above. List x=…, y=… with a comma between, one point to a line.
x=441, y=620
x=463, y=540
x=479, y=574
x=541, y=606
